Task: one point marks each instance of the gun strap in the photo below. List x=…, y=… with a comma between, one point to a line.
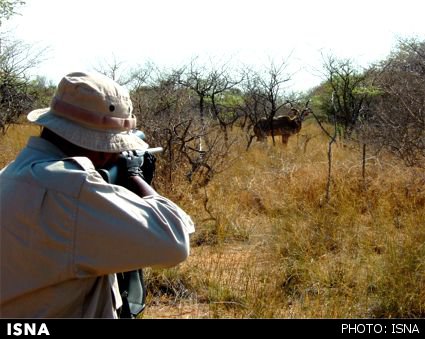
x=133, y=293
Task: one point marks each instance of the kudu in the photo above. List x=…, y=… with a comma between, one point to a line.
x=283, y=125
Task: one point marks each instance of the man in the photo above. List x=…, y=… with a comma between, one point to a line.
x=64, y=230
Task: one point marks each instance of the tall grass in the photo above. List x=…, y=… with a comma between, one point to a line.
x=281, y=251
x=14, y=140
x=271, y=246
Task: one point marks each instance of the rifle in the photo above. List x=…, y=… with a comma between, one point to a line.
x=131, y=284
x=111, y=174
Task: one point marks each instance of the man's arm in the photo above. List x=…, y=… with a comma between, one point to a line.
x=118, y=230
x=137, y=185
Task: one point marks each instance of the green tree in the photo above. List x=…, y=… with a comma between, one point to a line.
x=17, y=92
x=41, y=91
x=8, y=8
x=345, y=94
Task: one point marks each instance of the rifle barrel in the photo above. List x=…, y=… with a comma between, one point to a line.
x=155, y=150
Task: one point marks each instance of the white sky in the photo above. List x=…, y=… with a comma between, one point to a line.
x=82, y=33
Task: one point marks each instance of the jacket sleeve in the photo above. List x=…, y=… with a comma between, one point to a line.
x=116, y=230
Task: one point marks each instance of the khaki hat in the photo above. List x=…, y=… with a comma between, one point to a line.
x=91, y=111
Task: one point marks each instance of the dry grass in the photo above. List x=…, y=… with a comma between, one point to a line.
x=276, y=249
x=15, y=139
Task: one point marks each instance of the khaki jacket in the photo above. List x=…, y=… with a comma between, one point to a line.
x=64, y=232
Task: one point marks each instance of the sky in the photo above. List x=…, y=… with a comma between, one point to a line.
x=83, y=34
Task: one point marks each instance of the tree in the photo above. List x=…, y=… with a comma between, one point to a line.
x=264, y=95
x=198, y=79
x=16, y=59
x=114, y=69
x=17, y=94
x=169, y=116
x=220, y=98
x=396, y=119
x=8, y=8
x=346, y=93
x=41, y=91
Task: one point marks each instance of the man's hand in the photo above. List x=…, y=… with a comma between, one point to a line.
x=136, y=172
x=129, y=165
x=135, y=163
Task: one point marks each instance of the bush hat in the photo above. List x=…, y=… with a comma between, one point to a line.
x=92, y=111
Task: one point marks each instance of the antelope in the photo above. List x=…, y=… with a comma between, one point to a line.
x=283, y=125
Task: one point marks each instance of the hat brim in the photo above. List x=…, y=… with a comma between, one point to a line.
x=95, y=140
